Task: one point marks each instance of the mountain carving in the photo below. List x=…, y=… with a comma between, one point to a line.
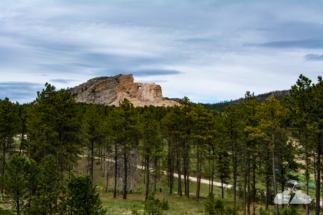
x=112, y=90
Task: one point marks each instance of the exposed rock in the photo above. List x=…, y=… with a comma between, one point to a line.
x=112, y=90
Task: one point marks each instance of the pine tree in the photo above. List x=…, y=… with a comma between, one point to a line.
x=150, y=145
x=201, y=132
x=299, y=104
x=8, y=128
x=33, y=181
x=223, y=167
x=82, y=197
x=271, y=116
x=94, y=133
x=54, y=128
x=15, y=182
x=49, y=188
x=116, y=121
x=233, y=130
x=131, y=137
x=316, y=118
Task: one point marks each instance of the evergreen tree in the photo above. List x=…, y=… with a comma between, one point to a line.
x=116, y=121
x=233, y=130
x=49, y=189
x=201, y=132
x=316, y=118
x=33, y=181
x=8, y=129
x=94, y=133
x=15, y=182
x=150, y=145
x=299, y=104
x=82, y=197
x=223, y=167
x=130, y=138
x=54, y=128
x=271, y=116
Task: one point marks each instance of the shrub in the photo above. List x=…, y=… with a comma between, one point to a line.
x=219, y=207
x=291, y=211
x=165, y=205
x=152, y=205
x=134, y=211
x=209, y=204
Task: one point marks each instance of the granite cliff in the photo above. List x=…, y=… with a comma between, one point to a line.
x=112, y=90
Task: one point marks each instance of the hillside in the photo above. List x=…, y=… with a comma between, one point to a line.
x=260, y=98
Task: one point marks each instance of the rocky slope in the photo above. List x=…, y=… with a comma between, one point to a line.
x=112, y=90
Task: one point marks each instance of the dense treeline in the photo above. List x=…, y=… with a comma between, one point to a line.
x=246, y=141
x=261, y=98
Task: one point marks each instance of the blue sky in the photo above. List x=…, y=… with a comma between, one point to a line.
x=209, y=51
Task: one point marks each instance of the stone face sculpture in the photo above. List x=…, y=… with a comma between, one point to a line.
x=112, y=90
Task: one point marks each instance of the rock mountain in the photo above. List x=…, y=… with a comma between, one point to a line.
x=111, y=90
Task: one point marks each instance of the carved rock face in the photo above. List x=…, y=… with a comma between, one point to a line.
x=112, y=90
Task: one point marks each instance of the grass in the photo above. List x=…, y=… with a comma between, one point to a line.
x=178, y=205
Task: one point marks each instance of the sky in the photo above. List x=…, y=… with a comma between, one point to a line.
x=209, y=51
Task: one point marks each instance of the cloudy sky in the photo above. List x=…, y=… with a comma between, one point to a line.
x=210, y=51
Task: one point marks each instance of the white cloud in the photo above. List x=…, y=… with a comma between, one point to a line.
x=205, y=41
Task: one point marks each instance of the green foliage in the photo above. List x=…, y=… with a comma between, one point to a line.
x=134, y=211
x=219, y=207
x=49, y=188
x=291, y=211
x=214, y=207
x=209, y=204
x=231, y=211
x=54, y=128
x=263, y=212
x=82, y=197
x=15, y=182
x=185, y=213
x=165, y=204
x=152, y=205
x=5, y=212
x=271, y=197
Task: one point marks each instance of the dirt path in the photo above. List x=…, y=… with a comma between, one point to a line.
x=203, y=181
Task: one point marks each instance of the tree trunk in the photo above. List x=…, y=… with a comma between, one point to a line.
x=22, y=138
x=222, y=188
x=274, y=173
x=179, y=170
x=234, y=177
x=3, y=160
x=92, y=161
x=125, y=176
x=248, y=190
x=254, y=183
x=197, y=174
x=115, y=170
x=187, y=172
x=155, y=176
x=318, y=175
x=306, y=175
x=147, y=182
x=267, y=183
x=212, y=173
x=184, y=170
x=245, y=183
x=105, y=168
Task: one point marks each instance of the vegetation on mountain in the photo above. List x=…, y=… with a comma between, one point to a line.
x=251, y=146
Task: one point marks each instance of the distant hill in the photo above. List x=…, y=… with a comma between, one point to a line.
x=260, y=98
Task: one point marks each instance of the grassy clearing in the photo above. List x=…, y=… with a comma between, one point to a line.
x=178, y=205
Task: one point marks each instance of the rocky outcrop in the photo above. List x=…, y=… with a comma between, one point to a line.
x=112, y=90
